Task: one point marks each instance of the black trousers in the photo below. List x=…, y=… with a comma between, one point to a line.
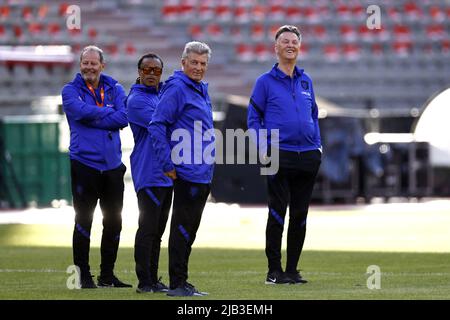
x=188, y=204
x=292, y=185
x=154, y=205
x=88, y=186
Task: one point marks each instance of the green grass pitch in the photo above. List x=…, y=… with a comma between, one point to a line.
x=36, y=272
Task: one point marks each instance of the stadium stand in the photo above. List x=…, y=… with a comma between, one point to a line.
x=393, y=70
x=336, y=37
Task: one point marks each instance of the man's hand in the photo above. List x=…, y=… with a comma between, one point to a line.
x=171, y=174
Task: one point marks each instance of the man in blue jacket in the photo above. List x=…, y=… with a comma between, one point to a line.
x=283, y=99
x=153, y=187
x=184, y=113
x=95, y=110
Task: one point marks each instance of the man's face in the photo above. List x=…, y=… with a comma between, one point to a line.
x=91, y=67
x=287, y=46
x=150, y=72
x=195, y=65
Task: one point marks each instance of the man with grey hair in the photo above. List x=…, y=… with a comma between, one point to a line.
x=283, y=99
x=94, y=104
x=185, y=107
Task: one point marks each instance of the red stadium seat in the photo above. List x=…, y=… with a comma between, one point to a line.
x=344, y=12
x=273, y=31
x=27, y=13
x=130, y=49
x=331, y=52
x=205, y=12
x=35, y=28
x=436, y=14
x=196, y=32
x=348, y=33
x=170, y=13
x=351, y=51
x=17, y=31
x=402, y=33
x=257, y=32
x=262, y=52
x=5, y=12
x=258, y=12
x=223, y=13
x=214, y=31
x=319, y=32
x=435, y=32
x=244, y=52
x=276, y=13
x=293, y=14
x=377, y=49
x=53, y=29
x=236, y=34
x=186, y=11
x=63, y=9
x=92, y=33
x=42, y=12
x=241, y=15
x=412, y=11
x=402, y=48
x=312, y=14
x=445, y=46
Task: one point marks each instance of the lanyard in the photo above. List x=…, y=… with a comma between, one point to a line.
x=102, y=95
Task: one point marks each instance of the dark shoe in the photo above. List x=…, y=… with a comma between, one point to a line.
x=144, y=289
x=188, y=290
x=295, y=277
x=158, y=286
x=112, y=282
x=277, y=277
x=86, y=282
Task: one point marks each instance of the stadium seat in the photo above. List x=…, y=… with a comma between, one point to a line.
x=412, y=11
x=257, y=32
x=223, y=13
x=244, y=52
x=436, y=14
x=276, y=13
x=258, y=12
x=241, y=15
x=348, y=33
x=214, y=32
x=170, y=13
x=205, y=12
x=195, y=31
x=5, y=12
x=351, y=51
x=263, y=52
x=435, y=32
x=331, y=52
x=293, y=14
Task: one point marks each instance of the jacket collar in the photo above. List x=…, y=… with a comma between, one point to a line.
x=146, y=89
x=108, y=82
x=201, y=86
x=276, y=72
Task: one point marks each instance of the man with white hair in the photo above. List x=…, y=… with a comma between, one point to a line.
x=185, y=107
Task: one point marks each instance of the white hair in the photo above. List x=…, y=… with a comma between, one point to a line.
x=196, y=47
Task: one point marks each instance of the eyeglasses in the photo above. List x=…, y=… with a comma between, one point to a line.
x=155, y=70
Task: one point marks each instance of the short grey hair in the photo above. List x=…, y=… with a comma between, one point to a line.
x=196, y=47
x=288, y=28
x=92, y=48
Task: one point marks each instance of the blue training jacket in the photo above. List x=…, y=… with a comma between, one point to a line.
x=184, y=102
x=288, y=104
x=146, y=171
x=94, y=131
